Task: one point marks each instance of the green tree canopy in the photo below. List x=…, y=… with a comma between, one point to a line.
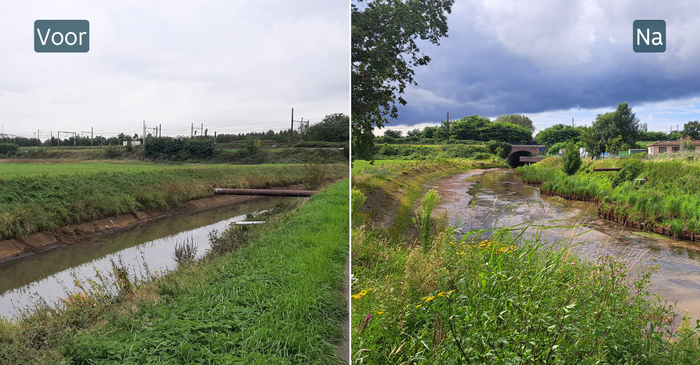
x=478, y=128
x=622, y=122
x=384, y=52
x=559, y=133
x=392, y=133
x=332, y=128
x=653, y=136
x=517, y=119
x=692, y=129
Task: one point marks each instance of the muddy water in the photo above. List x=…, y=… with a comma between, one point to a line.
x=149, y=244
x=494, y=198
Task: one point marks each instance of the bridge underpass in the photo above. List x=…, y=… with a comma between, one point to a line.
x=525, y=154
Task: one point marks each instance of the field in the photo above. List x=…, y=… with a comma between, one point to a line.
x=40, y=197
x=57, y=167
x=275, y=299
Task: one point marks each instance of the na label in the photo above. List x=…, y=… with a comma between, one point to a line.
x=61, y=36
x=649, y=36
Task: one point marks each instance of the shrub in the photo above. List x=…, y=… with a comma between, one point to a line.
x=112, y=152
x=422, y=220
x=9, y=149
x=504, y=147
x=572, y=159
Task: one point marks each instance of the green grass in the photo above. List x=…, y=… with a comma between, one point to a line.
x=667, y=202
x=362, y=165
x=37, y=203
x=393, y=187
x=49, y=167
x=498, y=301
x=277, y=300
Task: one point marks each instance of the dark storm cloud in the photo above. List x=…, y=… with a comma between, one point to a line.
x=506, y=57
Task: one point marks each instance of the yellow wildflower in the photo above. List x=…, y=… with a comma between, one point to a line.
x=419, y=305
x=360, y=294
x=429, y=298
x=379, y=312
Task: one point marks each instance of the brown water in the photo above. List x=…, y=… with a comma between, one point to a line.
x=479, y=200
x=149, y=244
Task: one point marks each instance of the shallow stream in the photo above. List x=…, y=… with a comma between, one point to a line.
x=481, y=200
x=145, y=246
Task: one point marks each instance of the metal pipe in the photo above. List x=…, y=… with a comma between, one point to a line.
x=248, y=223
x=264, y=192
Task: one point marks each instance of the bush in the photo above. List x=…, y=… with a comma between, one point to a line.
x=112, y=152
x=572, y=159
x=9, y=149
x=504, y=151
x=168, y=148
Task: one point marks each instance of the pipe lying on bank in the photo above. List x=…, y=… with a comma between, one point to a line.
x=249, y=223
x=264, y=192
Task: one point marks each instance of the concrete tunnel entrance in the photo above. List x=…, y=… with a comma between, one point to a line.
x=514, y=158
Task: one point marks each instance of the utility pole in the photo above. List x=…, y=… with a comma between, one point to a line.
x=160, y=130
x=143, y=137
x=448, y=127
x=291, y=132
x=192, y=131
x=92, y=135
x=38, y=139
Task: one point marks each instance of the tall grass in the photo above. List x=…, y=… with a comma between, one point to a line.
x=276, y=300
x=505, y=300
x=666, y=199
x=40, y=203
x=391, y=189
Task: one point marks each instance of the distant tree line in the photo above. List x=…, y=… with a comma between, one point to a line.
x=611, y=132
x=332, y=128
x=513, y=129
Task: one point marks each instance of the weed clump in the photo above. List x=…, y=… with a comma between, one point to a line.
x=229, y=240
x=422, y=220
x=185, y=252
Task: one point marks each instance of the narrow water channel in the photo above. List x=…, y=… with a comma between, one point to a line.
x=49, y=274
x=495, y=198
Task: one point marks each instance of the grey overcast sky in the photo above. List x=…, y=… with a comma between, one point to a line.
x=553, y=60
x=236, y=66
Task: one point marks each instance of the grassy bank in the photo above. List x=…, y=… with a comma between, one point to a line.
x=666, y=202
x=275, y=300
x=498, y=301
x=240, y=156
x=38, y=203
x=391, y=188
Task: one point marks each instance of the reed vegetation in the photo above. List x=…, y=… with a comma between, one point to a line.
x=659, y=194
x=500, y=300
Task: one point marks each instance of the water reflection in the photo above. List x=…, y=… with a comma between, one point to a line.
x=146, y=245
x=498, y=198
